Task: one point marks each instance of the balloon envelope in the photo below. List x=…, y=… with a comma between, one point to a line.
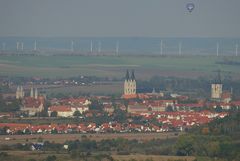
x=190, y=7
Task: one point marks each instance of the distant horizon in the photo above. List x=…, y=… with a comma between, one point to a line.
x=127, y=45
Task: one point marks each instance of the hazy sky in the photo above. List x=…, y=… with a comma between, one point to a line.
x=158, y=18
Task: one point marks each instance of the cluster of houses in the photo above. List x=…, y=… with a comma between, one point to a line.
x=147, y=102
x=170, y=114
x=167, y=121
x=67, y=107
x=143, y=103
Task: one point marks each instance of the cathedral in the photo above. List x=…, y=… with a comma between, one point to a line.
x=130, y=85
x=32, y=104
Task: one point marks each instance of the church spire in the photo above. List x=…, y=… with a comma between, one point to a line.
x=36, y=93
x=21, y=92
x=133, y=76
x=31, y=92
x=153, y=91
x=218, y=78
x=17, y=93
x=127, y=75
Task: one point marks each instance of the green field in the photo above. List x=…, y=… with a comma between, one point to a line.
x=98, y=89
x=110, y=66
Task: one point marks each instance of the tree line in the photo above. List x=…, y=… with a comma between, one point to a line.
x=201, y=86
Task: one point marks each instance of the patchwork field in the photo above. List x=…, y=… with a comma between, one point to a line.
x=110, y=66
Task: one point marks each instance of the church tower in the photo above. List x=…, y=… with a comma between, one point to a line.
x=22, y=92
x=36, y=94
x=19, y=92
x=130, y=85
x=133, y=83
x=216, y=88
x=31, y=92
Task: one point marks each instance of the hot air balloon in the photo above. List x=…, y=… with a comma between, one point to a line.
x=190, y=7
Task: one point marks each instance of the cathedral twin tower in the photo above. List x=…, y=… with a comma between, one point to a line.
x=130, y=85
x=20, y=94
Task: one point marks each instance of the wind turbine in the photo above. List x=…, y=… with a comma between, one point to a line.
x=91, y=47
x=161, y=47
x=180, y=48
x=117, y=48
x=35, y=46
x=236, y=50
x=22, y=46
x=17, y=46
x=72, y=44
x=99, y=47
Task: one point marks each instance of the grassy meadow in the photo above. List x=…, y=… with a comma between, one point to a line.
x=110, y=66
x=98, y=89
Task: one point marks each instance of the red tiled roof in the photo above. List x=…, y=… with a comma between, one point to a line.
x=32, y=102
x=226, y=95
x=60, y=108
x=236, y=103
x=143, y=96
x=13, y=125
x=73, y=100
x=190, y=105
x=129, y=96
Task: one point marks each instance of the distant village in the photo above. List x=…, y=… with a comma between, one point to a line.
x=139, y=112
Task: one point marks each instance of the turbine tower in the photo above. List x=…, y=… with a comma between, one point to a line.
x=22, y=46
x=99, y=47
x=117, y=48
x=180, y=48
x=91, y=47
x=236, y=50
x=72, y=44
x=161, y=47
x=35, y=46
x=17, y=46
x=217, y=49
